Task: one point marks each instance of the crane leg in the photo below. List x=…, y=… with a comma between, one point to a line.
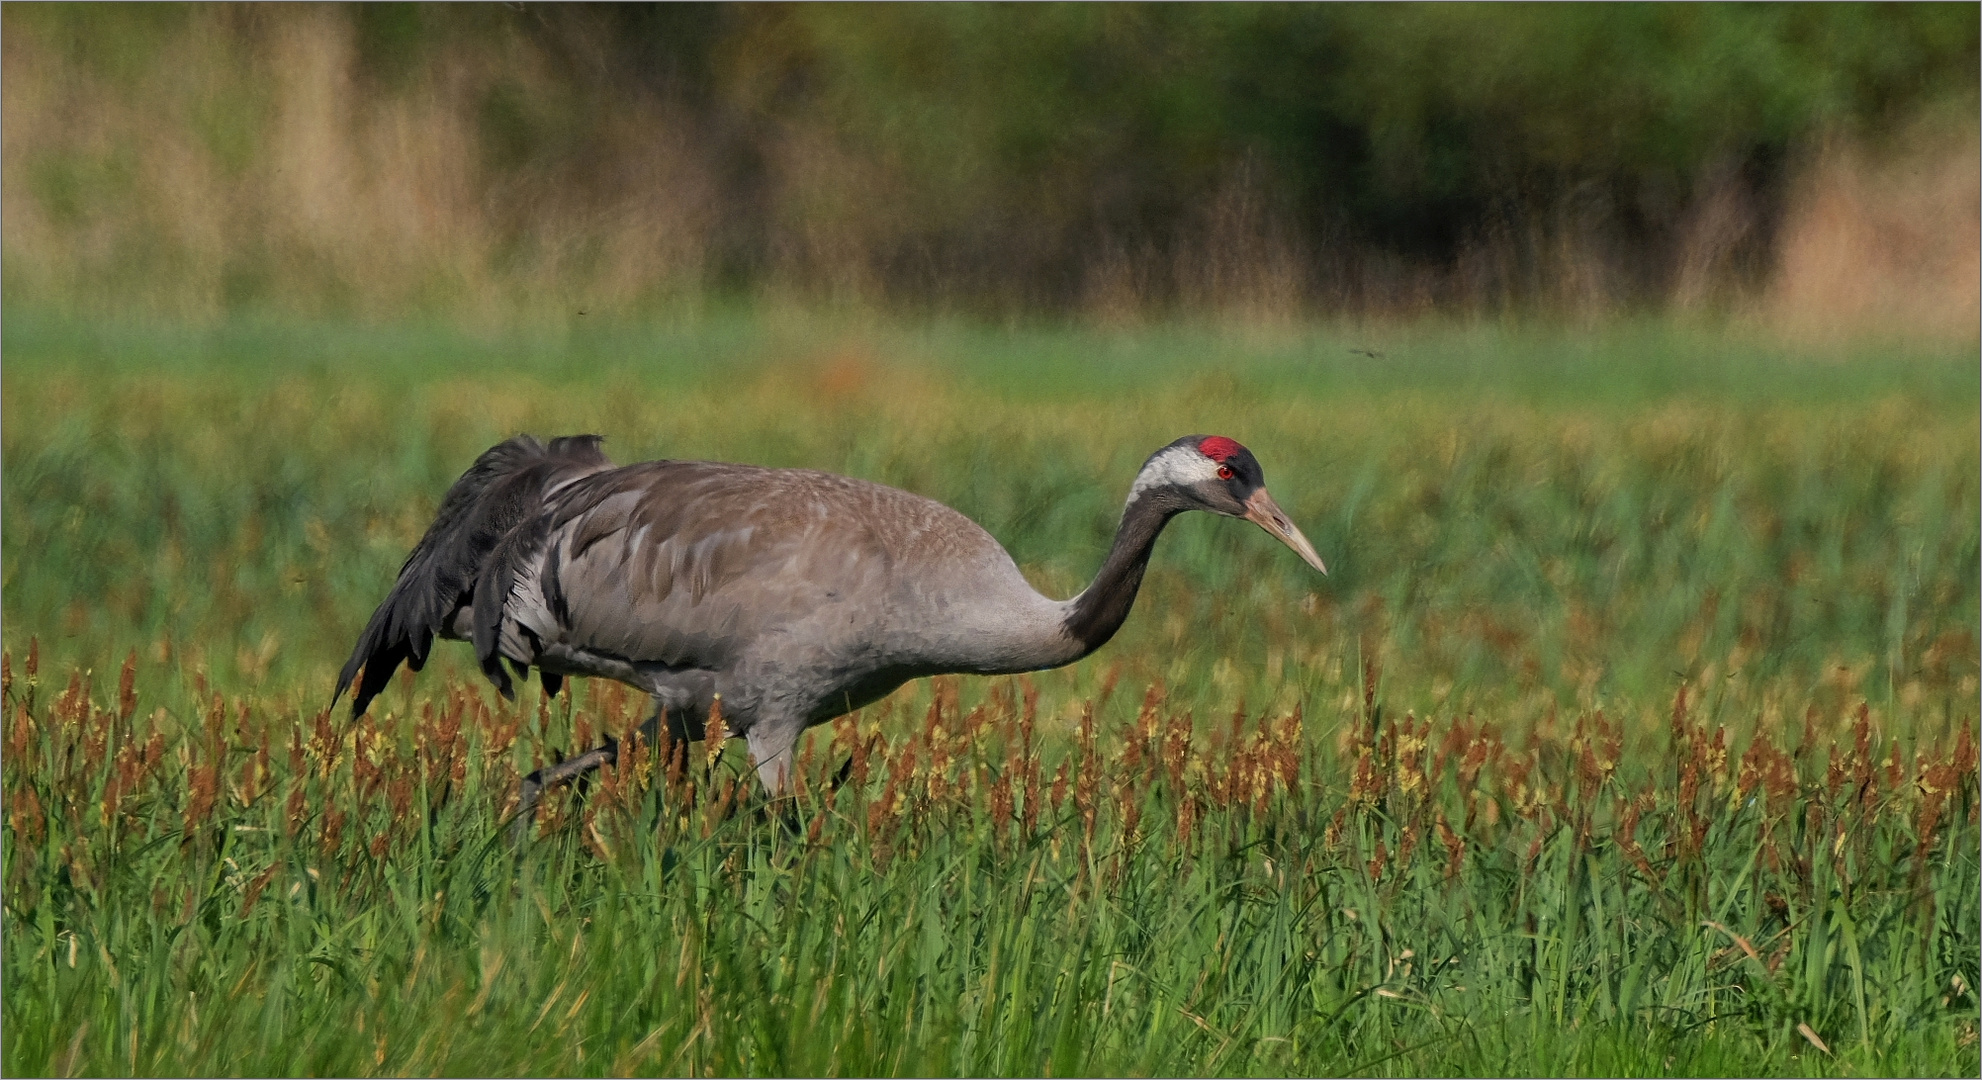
x=533, y=786
x=771, y=745
x=772, y=741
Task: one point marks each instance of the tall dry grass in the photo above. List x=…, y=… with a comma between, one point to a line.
x=1882, y=243
x=260, y=165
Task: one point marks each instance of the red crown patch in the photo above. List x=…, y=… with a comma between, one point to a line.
x=1219, y=448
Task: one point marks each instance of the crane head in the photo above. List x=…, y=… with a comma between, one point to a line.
x=1214, y=473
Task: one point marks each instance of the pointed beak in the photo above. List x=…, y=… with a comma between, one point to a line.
x=1261, y=510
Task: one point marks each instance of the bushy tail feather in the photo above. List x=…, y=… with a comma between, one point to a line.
x=496, y=577
x=499, y=495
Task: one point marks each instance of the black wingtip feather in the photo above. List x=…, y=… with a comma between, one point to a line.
x=378, y=675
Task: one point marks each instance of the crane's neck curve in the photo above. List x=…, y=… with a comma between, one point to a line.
x=1094, y=615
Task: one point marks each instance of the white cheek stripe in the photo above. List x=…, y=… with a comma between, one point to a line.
x=1179, y=465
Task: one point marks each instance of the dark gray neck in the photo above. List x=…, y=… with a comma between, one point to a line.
x=1100, y=610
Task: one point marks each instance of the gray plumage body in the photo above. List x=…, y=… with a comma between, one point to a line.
x=793, y=595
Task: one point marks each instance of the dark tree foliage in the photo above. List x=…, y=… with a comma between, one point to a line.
x=1024, y=135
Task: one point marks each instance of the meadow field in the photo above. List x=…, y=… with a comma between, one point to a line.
x=1633, y=731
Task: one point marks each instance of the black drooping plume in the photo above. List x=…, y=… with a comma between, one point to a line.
x=501, y=493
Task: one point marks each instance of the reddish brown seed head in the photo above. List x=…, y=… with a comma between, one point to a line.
x=127, y=694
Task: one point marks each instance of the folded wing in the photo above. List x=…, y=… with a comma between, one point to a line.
x=683, y=564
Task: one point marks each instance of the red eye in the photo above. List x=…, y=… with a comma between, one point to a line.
x=1224, y=472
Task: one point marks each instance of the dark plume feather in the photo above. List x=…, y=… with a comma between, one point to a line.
x=489, y=518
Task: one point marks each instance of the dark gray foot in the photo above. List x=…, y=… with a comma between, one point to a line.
x=534, y=785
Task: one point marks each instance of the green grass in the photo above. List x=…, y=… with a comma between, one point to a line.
x=1538, y=539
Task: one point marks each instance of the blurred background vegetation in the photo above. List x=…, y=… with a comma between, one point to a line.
x=1614, y=356
x=1809, y=167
